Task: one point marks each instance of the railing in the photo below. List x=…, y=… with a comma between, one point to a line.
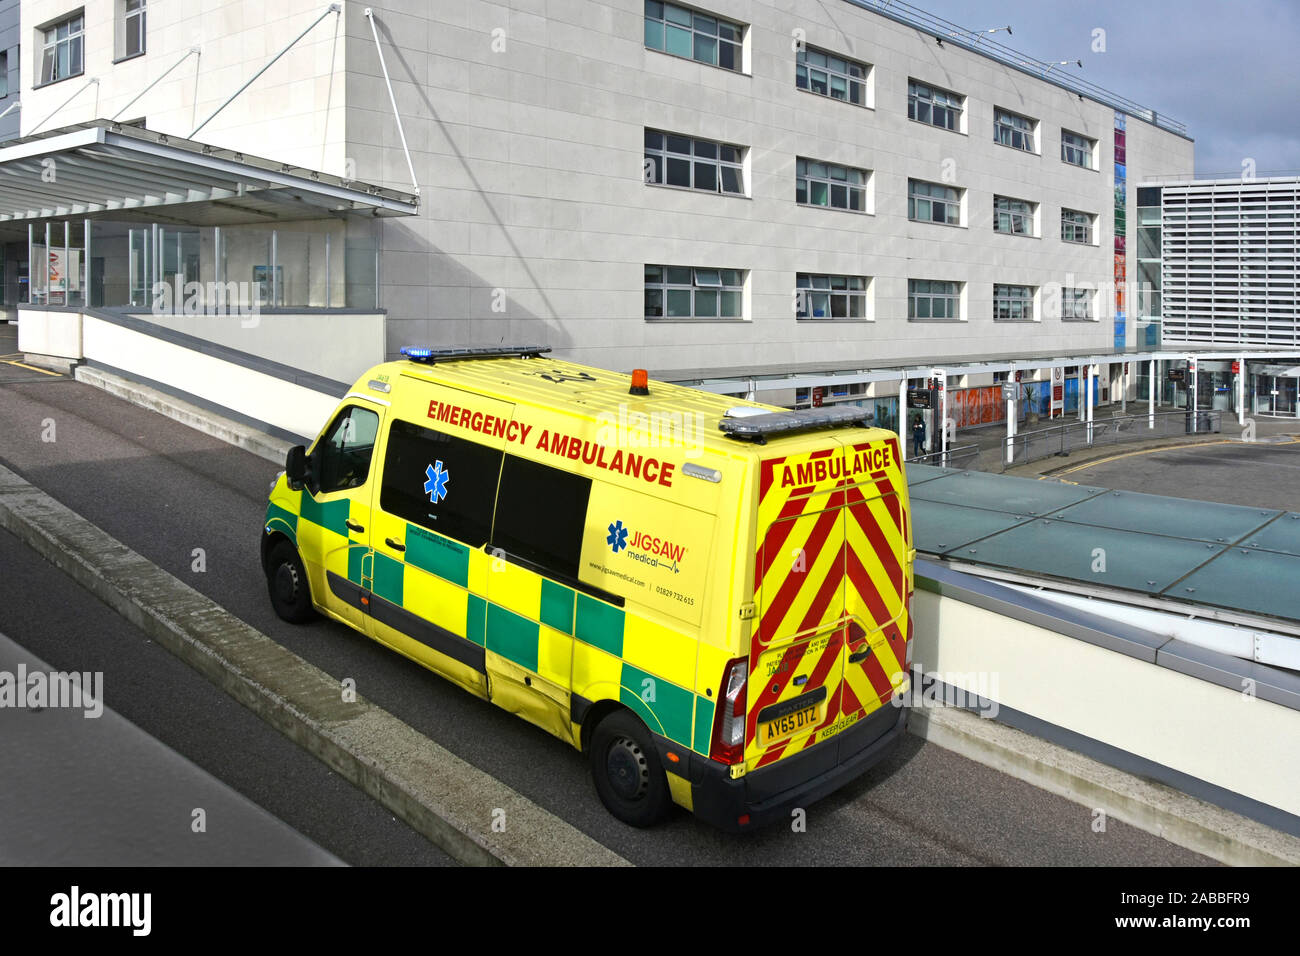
x=1061, y=440
x=958, y=456
x=1231, y=175
x=978, y=42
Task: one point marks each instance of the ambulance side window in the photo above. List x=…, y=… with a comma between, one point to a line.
x=444, y=483
x=541, y=513
x=342, y=458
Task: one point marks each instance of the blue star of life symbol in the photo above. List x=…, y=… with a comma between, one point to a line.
x=617, y=537
x=436, y=486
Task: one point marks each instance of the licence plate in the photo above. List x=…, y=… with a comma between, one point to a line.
x=800, y=721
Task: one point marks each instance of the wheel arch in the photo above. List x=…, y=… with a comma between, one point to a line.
x=275, y=532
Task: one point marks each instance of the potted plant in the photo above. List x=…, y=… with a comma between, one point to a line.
x=1031, y=411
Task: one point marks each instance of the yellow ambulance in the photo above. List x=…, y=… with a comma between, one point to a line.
x=708, y=596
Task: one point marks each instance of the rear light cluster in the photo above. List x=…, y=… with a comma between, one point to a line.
x=728, y=745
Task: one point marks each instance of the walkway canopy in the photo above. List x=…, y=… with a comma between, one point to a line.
x=105, y=169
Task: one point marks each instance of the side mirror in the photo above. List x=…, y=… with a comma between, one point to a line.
x=295, y=465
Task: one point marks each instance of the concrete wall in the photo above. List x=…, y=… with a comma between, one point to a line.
x=336, y=346
x=10, y=34
x=295, y=111
x=1212, y=733
x=528, y=145
x=249, y=394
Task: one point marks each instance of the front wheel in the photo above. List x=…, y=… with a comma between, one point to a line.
x=286, y=582
x=629, y=778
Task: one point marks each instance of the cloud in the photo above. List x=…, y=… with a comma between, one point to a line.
x=1227, y=71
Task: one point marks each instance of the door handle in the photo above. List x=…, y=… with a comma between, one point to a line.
x=354, y=526
x=395, y=545
x=861, y=655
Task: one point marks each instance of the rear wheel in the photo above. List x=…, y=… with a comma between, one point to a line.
x=628, y=775
x=286, y=582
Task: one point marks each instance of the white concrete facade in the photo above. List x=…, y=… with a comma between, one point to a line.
x=526, y=124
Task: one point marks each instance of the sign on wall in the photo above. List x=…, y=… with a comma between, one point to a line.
x=1121, y=228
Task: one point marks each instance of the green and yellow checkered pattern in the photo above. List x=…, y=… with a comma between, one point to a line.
x=592, y=648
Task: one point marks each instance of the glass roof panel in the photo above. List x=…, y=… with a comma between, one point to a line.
x=1102, y=556
x=1177, y=517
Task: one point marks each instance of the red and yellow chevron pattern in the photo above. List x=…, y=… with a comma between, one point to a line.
x=832, y=586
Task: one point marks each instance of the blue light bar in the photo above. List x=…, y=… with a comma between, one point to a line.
x=432, y=356
x=759, y=428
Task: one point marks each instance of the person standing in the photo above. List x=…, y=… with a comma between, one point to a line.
x=918, y=437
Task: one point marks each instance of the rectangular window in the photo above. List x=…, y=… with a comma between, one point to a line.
x=933, y=202
x=1148, y=196
x=820, y=72
x=825, y=184
x=930, y=299
x=929, y=104
x=672, y=160
x=683, y=292
x=1076, y=150
x=1011, y=129
x=1076, y=305
x=130, y=28
x=548, y=538
x=61, y=55
x=4, y=73
x=1076, y=226
x=831, y=297
x=441, y=482
x=1013, y=303
x=341, y=459
x=689, y=33
x=1014, y=216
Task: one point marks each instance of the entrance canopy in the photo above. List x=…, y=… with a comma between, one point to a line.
x=105, y=169
x=1279, y=371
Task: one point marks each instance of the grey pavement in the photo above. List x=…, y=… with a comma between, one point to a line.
x=1262, y=475
x=83, y=786
x=51, y=616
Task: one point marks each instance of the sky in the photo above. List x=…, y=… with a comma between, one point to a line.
x=1228, y=70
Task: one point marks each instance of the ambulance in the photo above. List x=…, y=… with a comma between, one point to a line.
x=709, y=597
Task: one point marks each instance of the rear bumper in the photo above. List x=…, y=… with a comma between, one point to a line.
x=769, y=794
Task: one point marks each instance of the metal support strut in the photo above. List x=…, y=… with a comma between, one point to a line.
x=88, y=84
x=188, y=53
x=333, y=8
x=370, y=15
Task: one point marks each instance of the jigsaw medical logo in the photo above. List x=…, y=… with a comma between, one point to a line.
x=653, y=550
x=436, y=486
x=617, y=537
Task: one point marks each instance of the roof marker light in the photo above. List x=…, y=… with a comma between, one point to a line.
x=640, y=382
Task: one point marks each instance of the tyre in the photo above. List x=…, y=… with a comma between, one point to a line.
x=286, y=582
x=627, y=772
